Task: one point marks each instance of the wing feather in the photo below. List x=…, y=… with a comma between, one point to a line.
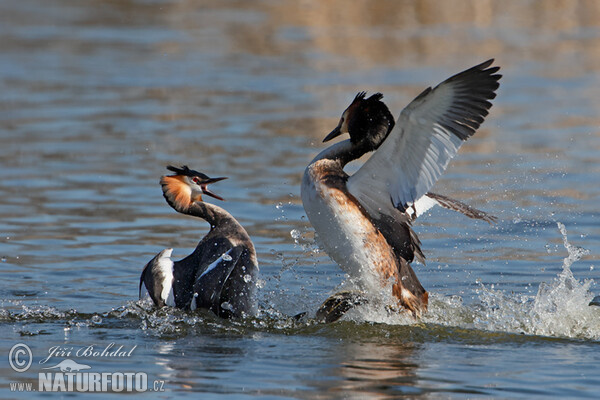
x=209, y=284
x=427, y=135
x=431, y=199
x=157, y=279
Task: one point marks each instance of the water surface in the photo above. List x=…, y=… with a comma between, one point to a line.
x=99, y=96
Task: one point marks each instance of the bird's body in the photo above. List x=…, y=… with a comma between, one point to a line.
x=220, y=274
x=352, y=238
x=363, y=221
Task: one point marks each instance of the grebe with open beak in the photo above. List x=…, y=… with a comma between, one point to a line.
x=220, y=275
x=363, y=221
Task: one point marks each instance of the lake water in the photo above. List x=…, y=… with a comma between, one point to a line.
x=99, y=96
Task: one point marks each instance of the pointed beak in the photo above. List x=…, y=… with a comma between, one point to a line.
x=333, y=134
x=207, y=192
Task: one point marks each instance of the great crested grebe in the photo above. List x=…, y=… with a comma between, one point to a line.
x=220, y=275
x=363, y=221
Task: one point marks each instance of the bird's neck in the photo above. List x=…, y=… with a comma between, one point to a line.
x=180, y=197
x=342, y=152
x=216, y=216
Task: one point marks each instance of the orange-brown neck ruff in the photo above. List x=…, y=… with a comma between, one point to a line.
x=178, y=193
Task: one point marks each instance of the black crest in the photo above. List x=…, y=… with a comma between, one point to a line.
x=185, y=171
x=360, y=96
x=370, y=120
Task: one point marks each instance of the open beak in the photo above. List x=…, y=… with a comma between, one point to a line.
x=333, y=134
x=207, y=192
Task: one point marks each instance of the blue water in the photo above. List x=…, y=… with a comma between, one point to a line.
x=98, y=97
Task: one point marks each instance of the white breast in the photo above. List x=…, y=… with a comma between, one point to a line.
x=345, y=233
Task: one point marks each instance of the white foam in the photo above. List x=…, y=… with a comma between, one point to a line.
x=559, y=309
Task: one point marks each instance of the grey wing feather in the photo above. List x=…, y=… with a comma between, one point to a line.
x=428, y=133
x=461, y=207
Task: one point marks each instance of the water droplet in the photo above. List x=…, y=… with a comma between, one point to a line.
x=96, y=319
x=226, y=306
x=247, y=278
x=279, y=205
x=260, y=283
x=3, y=259
x=295, y=234
x=226, y=257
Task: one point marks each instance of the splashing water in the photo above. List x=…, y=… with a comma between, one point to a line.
x=559, y=309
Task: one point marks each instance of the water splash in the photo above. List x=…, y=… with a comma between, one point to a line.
x=305, y=240
x=559, y=309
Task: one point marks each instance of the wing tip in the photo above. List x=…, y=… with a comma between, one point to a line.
x=483, y=70
x=486, y=64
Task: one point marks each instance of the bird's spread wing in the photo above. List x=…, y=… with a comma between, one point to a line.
x=428, y=133
x=209, y=284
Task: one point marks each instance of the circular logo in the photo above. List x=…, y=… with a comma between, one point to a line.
x=20, y=357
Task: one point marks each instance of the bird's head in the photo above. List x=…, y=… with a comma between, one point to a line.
x=186, y=186
x=368, y=121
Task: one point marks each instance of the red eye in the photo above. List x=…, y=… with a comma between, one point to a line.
x=196, y=180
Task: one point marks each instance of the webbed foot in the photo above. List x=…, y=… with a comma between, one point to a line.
x=338, y=304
